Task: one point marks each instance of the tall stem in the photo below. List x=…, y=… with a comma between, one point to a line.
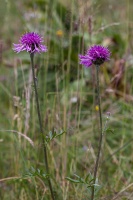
x=40, y=124
x=101, y=132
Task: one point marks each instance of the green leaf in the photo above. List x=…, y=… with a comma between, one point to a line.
x=61, y=133
x=109, y=130
x=51, y=135
x=72, y=180
x=96, y=185
x=91, y=181
x=77, y=176
x=89, y=186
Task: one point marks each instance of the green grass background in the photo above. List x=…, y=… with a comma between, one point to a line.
x=67, y=99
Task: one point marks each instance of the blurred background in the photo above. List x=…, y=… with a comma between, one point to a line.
x=67, y=98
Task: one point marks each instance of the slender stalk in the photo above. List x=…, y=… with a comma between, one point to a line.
x=101, y=132
x=40, y=124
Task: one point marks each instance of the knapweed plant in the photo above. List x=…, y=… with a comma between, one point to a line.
x=96, y=55
x=33, y=43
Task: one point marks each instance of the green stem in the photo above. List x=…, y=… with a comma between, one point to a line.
x=101, y=132
x=40, y=124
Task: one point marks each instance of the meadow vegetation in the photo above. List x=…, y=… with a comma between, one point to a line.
x=68, y=102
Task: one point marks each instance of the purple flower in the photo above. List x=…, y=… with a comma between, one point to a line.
x=96, y=54
x=30, y=42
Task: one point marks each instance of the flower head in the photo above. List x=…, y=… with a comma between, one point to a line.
x=96, y=54
x=97, y=108
x=59, y=33
x=30, y=42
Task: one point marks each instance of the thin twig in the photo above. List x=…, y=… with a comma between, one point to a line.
x=106, y=26
x=119, y=149
x=21, y=134
x=9, y=178
x=122, y=191
x=28, y=96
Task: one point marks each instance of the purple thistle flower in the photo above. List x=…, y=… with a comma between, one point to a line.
x=96, y=54
x=30, y=42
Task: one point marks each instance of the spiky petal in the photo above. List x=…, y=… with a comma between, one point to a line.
x=96, y=54
x=30, y=42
